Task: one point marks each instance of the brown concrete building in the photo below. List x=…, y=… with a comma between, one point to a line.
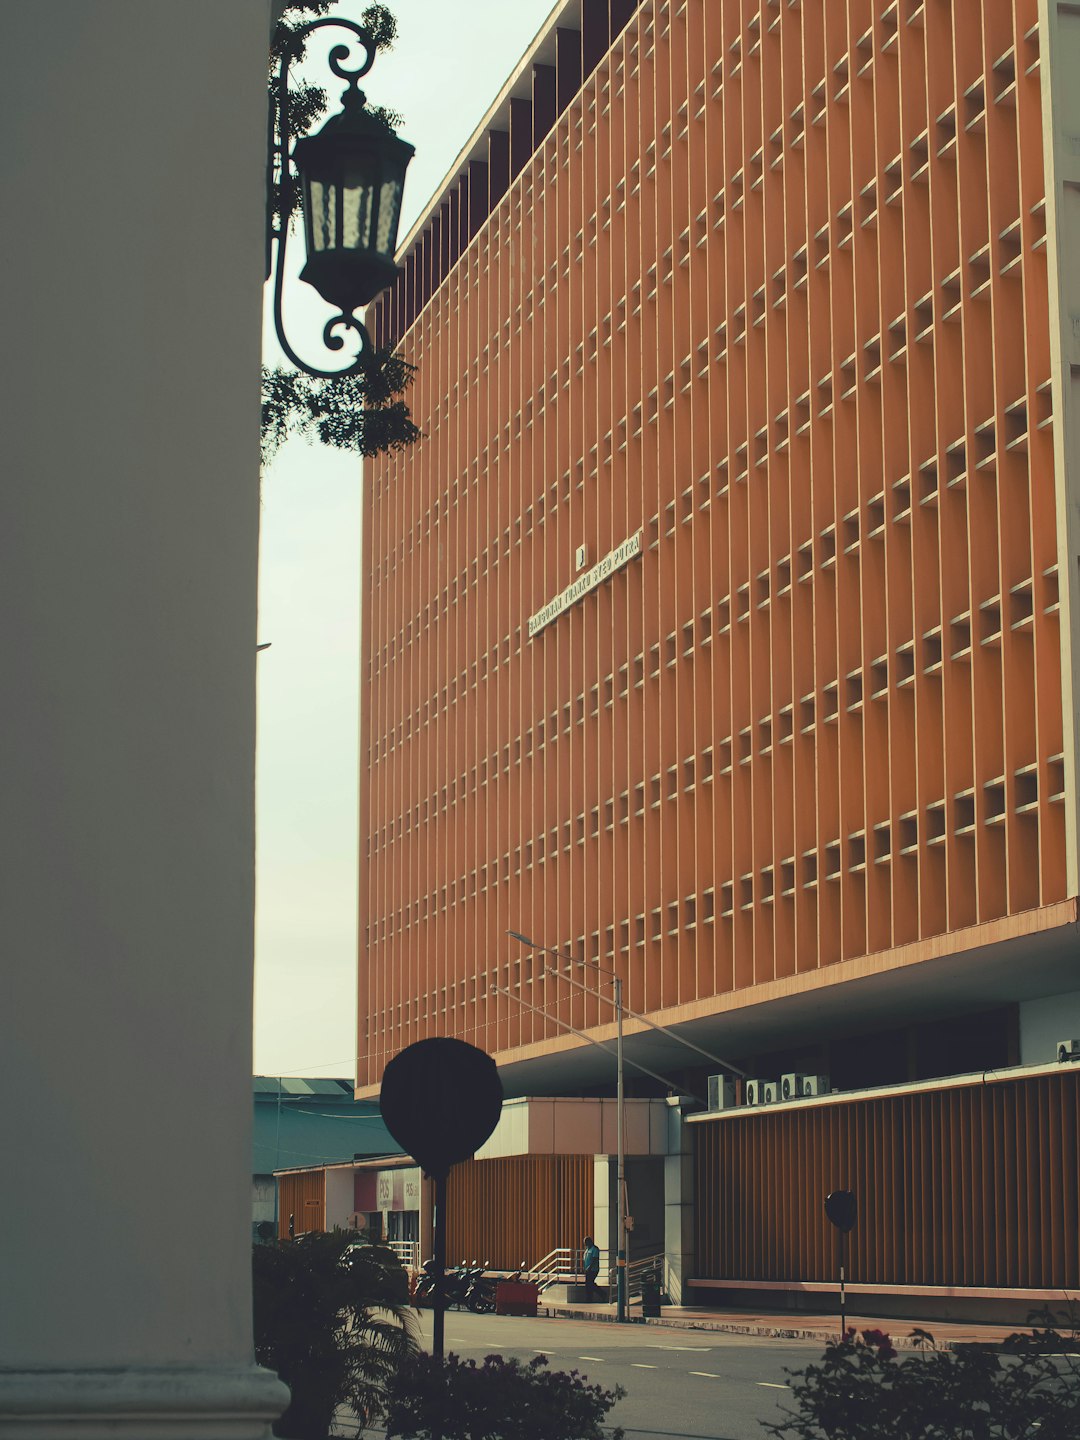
x=722, y=629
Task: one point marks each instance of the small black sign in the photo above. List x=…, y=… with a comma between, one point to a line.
x=842, y=1209
x=440, y=1100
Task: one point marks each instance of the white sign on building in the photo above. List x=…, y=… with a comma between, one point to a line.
x=580, y=587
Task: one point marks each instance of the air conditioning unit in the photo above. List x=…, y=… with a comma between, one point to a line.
x=721, y=1092
x=813, y=1085
x=753, y=1092
x=789, y=1087
x=770, y=1092
x=1068, y=1050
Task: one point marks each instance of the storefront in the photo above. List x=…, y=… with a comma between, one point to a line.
x=390, y=1201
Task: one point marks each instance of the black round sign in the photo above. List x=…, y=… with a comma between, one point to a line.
x=440, y=1100
x=841, y=1207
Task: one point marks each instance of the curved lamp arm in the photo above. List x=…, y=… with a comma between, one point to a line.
x=280, y=152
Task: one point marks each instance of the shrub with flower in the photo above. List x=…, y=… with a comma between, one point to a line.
x=499, y=1400
x=884, y=1346
x=1028, y=1388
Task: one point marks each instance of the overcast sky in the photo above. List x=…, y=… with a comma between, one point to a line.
x=449, y=63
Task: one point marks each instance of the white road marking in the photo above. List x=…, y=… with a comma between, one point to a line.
x=544, y=1352
x=709, y=1374
x=703, y=1349
x=771, y=1385
x=637, y=1365
x=592, y=1357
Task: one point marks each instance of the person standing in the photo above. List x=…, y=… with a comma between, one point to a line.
x=590, y=1260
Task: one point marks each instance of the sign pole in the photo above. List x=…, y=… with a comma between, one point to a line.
x=843, y=1323
x=842, y=1209
x=438, y=1324
x=620, y=1243
x=440, y=1099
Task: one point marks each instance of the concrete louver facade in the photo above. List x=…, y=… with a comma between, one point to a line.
x=782, y=294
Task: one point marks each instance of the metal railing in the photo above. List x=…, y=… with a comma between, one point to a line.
x=646, y=1270
x=556, y=1268
x=562, y=1266
x=407, y=1251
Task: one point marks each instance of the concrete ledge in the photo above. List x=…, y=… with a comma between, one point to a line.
x=920, y=1304
x=779, y=1329
x=143, y=1404
x=829, y=1287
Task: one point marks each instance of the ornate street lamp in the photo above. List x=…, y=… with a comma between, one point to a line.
x=351, y=175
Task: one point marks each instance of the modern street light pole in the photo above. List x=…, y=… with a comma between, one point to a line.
x=652, y=1025
x=620, y=1163
x=581, y=1035
x=621, y=1246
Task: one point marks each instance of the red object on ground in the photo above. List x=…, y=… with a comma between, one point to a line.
x=516, y=1297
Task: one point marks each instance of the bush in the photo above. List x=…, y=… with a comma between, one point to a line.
x=1026, y=1389
x=331, y=1317
x=498, y=1400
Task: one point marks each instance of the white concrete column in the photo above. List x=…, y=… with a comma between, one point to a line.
x=339, y=1196
x=427, y=1219
x=678, y=1207
x=132, y=174
x=605, y=1211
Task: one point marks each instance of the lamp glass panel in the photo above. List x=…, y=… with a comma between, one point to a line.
x=389, y=207
x=323, y=215
x=357, y=226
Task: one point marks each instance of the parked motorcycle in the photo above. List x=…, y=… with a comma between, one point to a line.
x=425, y=1286
x=481, y=1294
x=461, y=1284
x=466, y=1286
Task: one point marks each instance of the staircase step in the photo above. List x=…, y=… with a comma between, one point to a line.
x=575, y=1294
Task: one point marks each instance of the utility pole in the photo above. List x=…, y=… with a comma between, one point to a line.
x=621, y=1238
x=620, y=1165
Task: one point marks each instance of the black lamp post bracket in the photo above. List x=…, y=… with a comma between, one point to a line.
x=351, y=175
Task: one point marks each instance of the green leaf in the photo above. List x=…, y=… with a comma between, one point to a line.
x=364, y=413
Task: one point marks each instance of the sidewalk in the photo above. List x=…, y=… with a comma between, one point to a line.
x=786, y=1325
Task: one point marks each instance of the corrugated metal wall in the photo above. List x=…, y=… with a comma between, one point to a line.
x=971, y=1186
x=303, y=1196
x=518, y=1208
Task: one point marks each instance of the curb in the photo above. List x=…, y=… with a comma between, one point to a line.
x=742, y=1327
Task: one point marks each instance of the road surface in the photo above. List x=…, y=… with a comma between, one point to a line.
x=680, y=1384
